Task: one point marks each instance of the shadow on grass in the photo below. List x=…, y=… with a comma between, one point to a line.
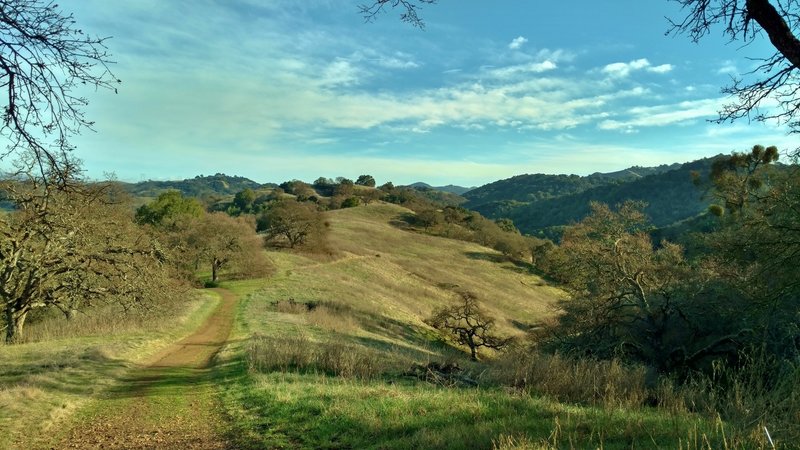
x=418, y=342
x=520, y=267
x=404, y=221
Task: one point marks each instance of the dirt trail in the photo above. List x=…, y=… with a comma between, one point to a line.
x=169, y=403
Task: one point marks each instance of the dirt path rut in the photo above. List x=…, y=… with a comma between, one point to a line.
x=169, y=403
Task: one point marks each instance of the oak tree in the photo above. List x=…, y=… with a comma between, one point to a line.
x=72, y=249
x=291, y=222
x=469, y=324
x=220, y=241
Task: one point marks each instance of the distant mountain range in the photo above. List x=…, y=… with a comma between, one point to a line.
x=451, y=188
x=540, y=204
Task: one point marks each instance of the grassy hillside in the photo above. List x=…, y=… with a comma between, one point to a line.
x=330, y=353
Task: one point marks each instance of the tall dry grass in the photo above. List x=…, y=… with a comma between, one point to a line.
x=330, y=316
x=746, y=402
x=300, y=353
x=601, y=383
x=102, y=320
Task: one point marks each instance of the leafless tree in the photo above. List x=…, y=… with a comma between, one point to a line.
x=45, y=64
x=776, y=76
x=469, y=324
x=71, y=249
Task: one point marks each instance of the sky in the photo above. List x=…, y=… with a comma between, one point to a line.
x=275, y=90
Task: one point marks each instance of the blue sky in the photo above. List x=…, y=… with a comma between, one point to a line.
x=281, y=89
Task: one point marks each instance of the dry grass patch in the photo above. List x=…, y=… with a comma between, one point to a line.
x=301, y=354
x=603, y=383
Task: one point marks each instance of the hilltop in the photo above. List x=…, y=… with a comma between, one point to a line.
x=199, y=186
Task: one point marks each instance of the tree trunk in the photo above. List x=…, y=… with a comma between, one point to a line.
x=214, y=268
x=14, y=322
x=472, y=348
x=777, y=29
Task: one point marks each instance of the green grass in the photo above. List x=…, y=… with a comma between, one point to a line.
x=377, y=290
x=44, y=383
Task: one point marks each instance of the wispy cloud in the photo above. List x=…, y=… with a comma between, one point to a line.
x=728, y=68
x=251, y=79
x=663, y=115
x=517, y=42
x=522, y=69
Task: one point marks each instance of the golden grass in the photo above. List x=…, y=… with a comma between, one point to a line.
x=394, y=279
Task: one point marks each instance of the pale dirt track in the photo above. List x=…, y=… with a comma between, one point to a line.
x=169, y=403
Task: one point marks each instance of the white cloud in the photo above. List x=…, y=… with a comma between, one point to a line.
x=339, y=72
x=623, y=69
x=522, y=69
x=518, y=42
x=556, y=55
x=396, y=60
x=663, y=68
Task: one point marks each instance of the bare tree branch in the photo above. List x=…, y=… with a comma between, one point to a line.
x=44, y=62
x=410, y=9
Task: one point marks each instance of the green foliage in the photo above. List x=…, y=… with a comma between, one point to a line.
x=631, y=299
x=169, y=207
x=758, y=243
x=428, y=218
x=647, y=302
x=345, y=188
x=506, y=225
x=244, y=200
x=198, y=187
x=365, y=180
x=351, y=202
x=219, y=242
x=292, y=223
